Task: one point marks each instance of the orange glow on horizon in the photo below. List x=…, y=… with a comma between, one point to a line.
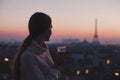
x=77, y=33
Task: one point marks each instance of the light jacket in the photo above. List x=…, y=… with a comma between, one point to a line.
x=36, y=64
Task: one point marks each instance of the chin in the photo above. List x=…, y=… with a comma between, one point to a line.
x=47, y=39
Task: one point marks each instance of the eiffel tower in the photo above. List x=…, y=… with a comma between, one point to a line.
x=95, y=39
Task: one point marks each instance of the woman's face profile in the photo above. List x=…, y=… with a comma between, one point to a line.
x=48, y=34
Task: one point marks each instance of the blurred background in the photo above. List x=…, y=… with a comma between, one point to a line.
x=88, y=30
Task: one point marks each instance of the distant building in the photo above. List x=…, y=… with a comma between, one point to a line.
x=69, y=41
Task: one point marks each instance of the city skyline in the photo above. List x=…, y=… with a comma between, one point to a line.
x=70, y=19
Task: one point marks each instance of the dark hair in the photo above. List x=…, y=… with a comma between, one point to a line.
x=38, y=24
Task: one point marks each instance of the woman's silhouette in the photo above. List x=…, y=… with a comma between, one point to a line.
x=33, y=61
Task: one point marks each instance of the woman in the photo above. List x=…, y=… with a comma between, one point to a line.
x=33, y=61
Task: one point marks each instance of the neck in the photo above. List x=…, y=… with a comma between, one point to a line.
x=39, y=41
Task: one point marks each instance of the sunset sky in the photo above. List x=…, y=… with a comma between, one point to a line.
x=70, y=18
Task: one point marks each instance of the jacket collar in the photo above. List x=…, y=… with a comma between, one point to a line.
x=36, y=48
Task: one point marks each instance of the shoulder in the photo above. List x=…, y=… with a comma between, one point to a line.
x=27, y=56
